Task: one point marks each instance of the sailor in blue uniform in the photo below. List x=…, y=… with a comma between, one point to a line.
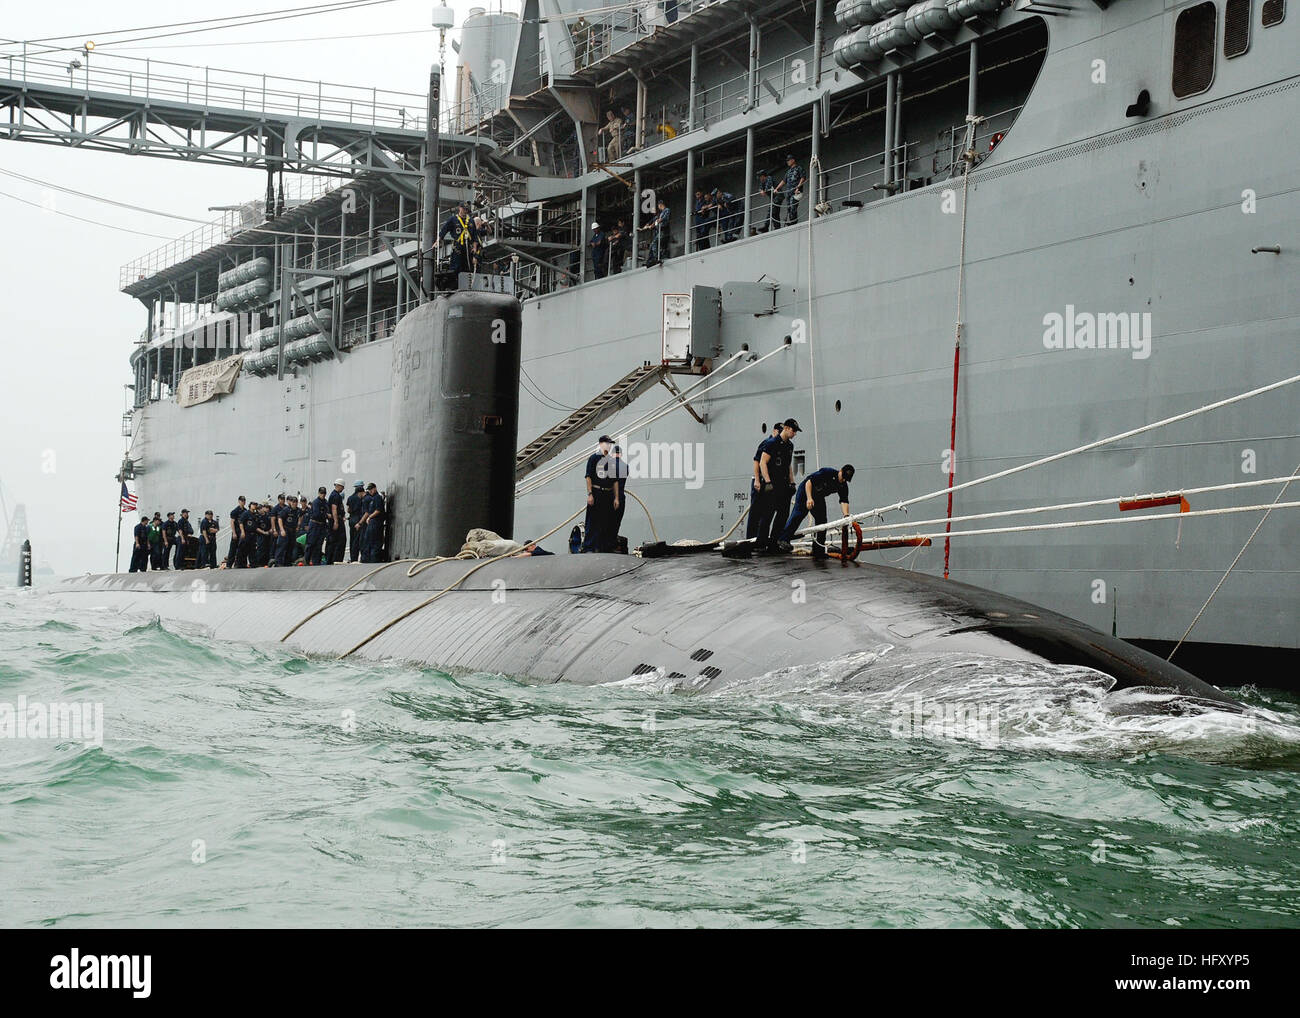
x=788, y=192
x=265, y=533
x=756, y=485
x=811, y=498
x=727, y=212
x=776, y=473
x=704, y=219
x=168, y=540
x=620, y=474
x=318, y=517
x=599, y=245
x=140, y=545
x=459, y=226
x=236, y=519
x=279, y=544
x=208, y=529
x=291, y=518
x=766, y=186
x=156, y=550
x=184, y=538
x=373, y=549
x=355, y=509
x=658, y=228
x=629, y=131
x=337, y=542
x=246, y=553
x=602, y=499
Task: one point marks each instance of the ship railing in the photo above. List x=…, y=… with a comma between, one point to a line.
x=609, y=34
x=87, y=71
x=774, y=80
x=613, y=32
x=298, y=188
x=368, y=328
x=952, y=140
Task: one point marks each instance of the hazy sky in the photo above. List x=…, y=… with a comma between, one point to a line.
x=66, y=330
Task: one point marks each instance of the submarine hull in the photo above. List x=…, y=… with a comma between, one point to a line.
x=706, y=622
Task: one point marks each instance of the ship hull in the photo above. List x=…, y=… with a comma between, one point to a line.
x=1064, y=225
x=694, y=625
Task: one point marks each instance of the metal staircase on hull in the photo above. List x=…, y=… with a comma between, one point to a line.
x=588, y=416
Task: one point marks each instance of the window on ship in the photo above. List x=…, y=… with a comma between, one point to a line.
x=1194, y=38
x=1274, y=12
x=1236, y=28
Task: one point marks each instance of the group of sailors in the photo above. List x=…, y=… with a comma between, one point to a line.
x=772, y=522
x=784, y=193
x=609, y=248
x=293, y=530
x=715, y=209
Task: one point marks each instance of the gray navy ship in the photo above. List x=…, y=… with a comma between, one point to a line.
x=1027, y=226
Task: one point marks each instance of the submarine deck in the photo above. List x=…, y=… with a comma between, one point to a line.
x=704, y=621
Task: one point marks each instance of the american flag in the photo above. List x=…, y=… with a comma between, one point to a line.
x=128, y=500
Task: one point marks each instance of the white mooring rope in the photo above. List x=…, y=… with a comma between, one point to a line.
x=1110, y=440
x=1276, y=504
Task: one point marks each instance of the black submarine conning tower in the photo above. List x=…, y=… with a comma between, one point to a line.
x=454, y=419
x=454, y=424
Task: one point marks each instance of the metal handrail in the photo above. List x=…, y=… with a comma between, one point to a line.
x=209, y=86
x=161, y=80
x=234, y=221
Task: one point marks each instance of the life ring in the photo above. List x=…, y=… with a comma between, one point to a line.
x=846, y=554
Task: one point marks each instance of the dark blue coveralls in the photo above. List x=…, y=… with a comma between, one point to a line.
x=374, y=544
x=751, y=521
x=336, y=543
x=279, y=544
x=292, y=514
x=318, y=514
x=355, y=509
x=169, y=542
x=824, y=482
x=208, y=529
x=774, y=499
x=599, y=245
x=265, y=541
x=728, y=215
x=184, y=531
x=598, y=526
x=236, y=515
x=246, y=553
x=620, y=472
x=705, y=216
x=140, y=548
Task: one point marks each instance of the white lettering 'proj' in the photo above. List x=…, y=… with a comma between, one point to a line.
x=72, y=971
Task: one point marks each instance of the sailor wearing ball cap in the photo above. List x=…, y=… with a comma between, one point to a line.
x=336, y=544
x=603, y=498
x=355, y=510
x=318, y=522
x=776, y=475
x=789, y=190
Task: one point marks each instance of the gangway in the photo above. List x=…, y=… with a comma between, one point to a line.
x=588, y=416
